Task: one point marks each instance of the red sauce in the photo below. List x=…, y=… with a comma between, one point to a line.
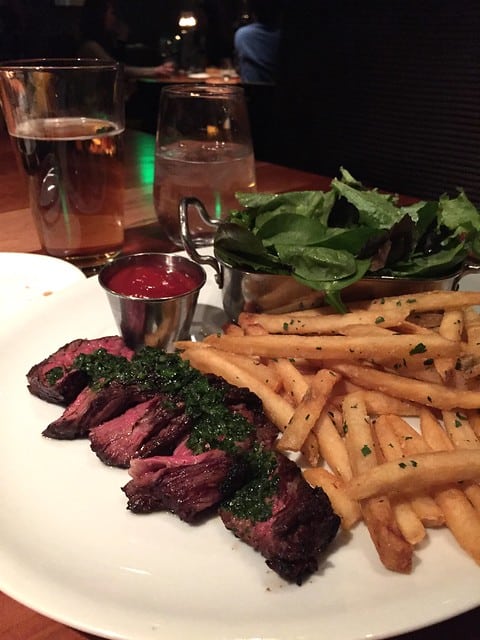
x=151, y=281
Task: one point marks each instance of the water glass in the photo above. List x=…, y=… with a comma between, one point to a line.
x=203, y=150
x=66, y=118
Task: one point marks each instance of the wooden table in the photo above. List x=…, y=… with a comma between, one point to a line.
x=17, y=233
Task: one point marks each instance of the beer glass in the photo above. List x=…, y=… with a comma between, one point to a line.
x=204, y=150
x=66, y=118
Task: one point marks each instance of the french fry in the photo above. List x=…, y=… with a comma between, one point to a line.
x=408, y=521
x=293, y=381
x=428, y=394
x=451, y=327
x=392, y=548
x=423, y=471
x=472, y=327
x=462, y=520
x=282, y=323
x=427, y=301
x=411, y=518
x=308, y=411
x=332, y=446
x=394, y=551
x=333, y=347
x=348, y=510
x=212, y=361
x=459, y=430
x=257, y=369
x=378, y=403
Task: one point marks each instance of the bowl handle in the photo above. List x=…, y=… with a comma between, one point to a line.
x=189, y=243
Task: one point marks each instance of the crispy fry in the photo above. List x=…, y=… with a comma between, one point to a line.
x=332, y=446
x=427, y=301
x=293, y=381
x=462, y=520
x=308, y=411
x=324, y=324
x=459, y=430
x=394, y=551
x=378, y=403
x=451, y=327
x=408, y=521
x=392, y=548
x=349, y=348
x=212, y=361
x=429, y=394
x=424, y=507
x=347, y=509
x=422, y=471
x=472, y=327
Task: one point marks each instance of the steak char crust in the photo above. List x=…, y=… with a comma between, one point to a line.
x=70, y=381
x=301, y=526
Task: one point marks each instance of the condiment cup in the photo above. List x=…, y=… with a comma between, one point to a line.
x=149, y=317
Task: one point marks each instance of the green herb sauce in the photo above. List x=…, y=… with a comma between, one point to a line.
x=215, y=426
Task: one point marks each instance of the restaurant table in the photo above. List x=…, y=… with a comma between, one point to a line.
x=17, y=233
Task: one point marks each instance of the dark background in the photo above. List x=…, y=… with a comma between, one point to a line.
x=389, y=89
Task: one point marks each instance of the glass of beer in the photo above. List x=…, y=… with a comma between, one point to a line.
x=203, y=150
x=66, y=119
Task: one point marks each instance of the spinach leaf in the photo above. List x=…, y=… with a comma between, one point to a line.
x=329, y=240
x=375, y=209
x=239, y=247
x=318, y=263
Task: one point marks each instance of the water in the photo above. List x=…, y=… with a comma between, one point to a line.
x=209, y=171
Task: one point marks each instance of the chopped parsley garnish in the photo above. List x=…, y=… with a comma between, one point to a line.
x=419, y=348
x=366, y=451
x=215, y=426
x=54, y=375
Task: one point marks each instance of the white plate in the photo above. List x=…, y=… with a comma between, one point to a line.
x=27, y=276
x=198, y=76
x=70, y=549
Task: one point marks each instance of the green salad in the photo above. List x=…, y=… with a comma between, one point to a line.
x=328, y=240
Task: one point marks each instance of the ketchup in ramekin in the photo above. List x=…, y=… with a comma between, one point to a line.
x=152, y=281
x=153, y=297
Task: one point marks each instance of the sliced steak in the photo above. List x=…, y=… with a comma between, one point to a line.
x=54, y=380
x=92, y=407
x=154, y=427
x=186, y=484
x=301, y=526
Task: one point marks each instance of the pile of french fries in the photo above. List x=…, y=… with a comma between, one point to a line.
x=344, y=391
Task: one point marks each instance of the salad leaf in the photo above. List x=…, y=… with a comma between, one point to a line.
x=328, y=240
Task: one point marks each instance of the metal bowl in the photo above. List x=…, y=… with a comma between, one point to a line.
x=154, y=322
x=244, y=290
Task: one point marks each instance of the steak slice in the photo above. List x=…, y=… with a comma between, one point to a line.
x=54, y=380
x=186, y=484
x=302, y=524
x=153, y=427
x=91, y=407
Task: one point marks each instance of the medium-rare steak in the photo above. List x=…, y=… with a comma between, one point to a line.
x=301, y=524
x=154, y=427
x=196, y=445
x=186, y=484
x=92, y=407
x=55, y=379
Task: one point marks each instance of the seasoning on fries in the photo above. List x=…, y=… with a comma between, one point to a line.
x=342, y=390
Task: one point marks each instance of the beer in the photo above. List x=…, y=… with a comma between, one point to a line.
x=75, y=175
x=208, y=170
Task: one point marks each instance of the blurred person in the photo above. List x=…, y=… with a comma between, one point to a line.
x=105, y=34
x=257, y=44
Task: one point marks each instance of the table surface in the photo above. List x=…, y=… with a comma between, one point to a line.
x=17, y=233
